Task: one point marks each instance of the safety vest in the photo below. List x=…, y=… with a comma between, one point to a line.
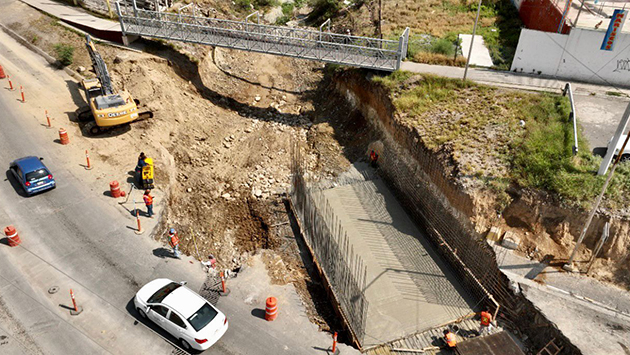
x=485, y=318
x=450, y=340
x=174, y=240
x=148, y=199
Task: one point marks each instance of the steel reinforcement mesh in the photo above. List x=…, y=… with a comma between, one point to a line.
x=343, y=269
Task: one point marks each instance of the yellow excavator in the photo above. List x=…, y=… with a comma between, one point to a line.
x=107, y=108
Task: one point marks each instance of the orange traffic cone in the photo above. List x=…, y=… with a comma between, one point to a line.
x=2, y=75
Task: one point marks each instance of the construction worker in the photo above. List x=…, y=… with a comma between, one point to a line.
x=373, y=158
x=449, y=338
x=173, y=241
x=486, y=322
x=148, y=201
x=141, y=164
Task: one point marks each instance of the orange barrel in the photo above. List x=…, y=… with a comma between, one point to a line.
x=63, y=136
x=12, y=235
x=2, y=74
x=114, y=189
x=271, y=311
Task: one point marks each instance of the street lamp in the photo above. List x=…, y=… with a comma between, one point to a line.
x=472, y=40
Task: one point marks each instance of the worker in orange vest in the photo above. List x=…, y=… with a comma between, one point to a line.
x=486, y=322
x=173, y=241
x=148, y=201
x=449, y=337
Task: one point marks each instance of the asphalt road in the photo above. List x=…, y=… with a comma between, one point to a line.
x=71, y=238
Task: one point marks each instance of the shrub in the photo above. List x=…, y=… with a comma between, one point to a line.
x=443, y=46
x=65, y=53
x=243, y=4
x=287, y=8
x=324, y=9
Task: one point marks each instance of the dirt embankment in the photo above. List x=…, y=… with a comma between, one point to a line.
x=548, y=230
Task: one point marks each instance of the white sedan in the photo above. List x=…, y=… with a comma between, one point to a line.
x=192, y=320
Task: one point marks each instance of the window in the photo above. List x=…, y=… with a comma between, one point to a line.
x=202, y=317
x=161, y=310
x=175, y=319
x=161, y=294
x=36, y=175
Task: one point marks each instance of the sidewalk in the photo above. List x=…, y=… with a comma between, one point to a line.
x=76, y=16
x=510, y=79
x=593, y=315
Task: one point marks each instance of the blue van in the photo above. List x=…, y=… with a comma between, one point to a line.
x=32, y=174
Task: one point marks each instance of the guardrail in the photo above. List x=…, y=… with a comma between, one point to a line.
x=302, y=43
x=572, y=116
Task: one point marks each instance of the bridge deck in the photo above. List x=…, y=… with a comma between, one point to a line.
x=279, y=40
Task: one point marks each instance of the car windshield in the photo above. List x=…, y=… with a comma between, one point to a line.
x=37, y=174
x=202, y=317
x=163, y=292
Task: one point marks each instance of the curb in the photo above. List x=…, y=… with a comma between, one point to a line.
x=50, y=59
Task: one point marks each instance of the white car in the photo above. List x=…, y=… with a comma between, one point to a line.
x=622, y=139
x=192, y=320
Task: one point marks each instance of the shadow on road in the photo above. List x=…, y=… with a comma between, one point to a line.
x=258, y=313
x=15, y=184
x=601, y=151
x=163, y=253
x=131, y=309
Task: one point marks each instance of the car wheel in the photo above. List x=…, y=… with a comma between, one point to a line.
x=185, y=345
x=142, y=314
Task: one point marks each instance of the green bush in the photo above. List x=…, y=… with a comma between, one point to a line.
x=282, y=20
x=324, y=9
x=443, y=46
x=287, y=8
x=65, y=53
x=243, y=4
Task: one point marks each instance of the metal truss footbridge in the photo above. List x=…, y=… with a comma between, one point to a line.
x=301, y=43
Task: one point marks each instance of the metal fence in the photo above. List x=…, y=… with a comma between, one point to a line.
x=341, y=267
x=322, y=46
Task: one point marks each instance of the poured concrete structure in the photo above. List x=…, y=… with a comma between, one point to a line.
x=409, y=288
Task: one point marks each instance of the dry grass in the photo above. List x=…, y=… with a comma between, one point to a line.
x=435, y=17
x=439, y=59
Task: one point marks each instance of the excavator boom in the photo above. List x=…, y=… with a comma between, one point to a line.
x=100, y=69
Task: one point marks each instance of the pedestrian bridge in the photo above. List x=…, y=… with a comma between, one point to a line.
x=322, y=46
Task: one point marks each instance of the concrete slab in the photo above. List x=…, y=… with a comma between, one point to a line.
x=409, y=289
x=102, y=28
x=480, y=55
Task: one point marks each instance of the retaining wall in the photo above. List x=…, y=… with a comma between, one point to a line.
x=422, y=184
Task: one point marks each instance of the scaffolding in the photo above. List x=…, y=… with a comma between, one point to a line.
x=323, y=46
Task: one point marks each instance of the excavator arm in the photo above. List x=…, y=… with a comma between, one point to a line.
x=100, y=69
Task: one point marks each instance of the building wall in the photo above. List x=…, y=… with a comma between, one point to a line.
x=540, y=15
x=576, y=56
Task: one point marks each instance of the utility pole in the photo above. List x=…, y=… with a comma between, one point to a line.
x=569, y=265
x=472, y=40
x=380, y=19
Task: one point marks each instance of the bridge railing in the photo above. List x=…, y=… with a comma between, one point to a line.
x=295, y=42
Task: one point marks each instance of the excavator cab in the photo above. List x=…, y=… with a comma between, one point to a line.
x=108, y=108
